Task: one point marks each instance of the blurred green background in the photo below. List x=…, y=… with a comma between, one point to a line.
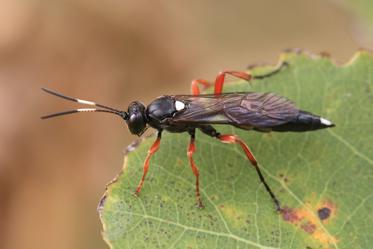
x=53, y=173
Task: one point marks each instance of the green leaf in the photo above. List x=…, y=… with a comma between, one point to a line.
x=324, y=178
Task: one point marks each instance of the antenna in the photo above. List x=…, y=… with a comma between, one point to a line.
x=107, y=109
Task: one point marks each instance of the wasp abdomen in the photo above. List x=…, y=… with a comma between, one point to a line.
x=304, y=121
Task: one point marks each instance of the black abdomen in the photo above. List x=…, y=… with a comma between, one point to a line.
x=304, y=121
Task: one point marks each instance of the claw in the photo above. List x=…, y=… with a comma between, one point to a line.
x=278, y=207
x=199, y=204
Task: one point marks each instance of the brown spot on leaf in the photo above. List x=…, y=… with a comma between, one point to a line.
x=323, y=213
x=289, y=214
x=305, y=219
x=326, y=210
x=284, y=177
x=101, y=203
x=308, y=227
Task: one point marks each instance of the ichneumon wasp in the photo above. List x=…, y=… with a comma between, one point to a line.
x=262, y=112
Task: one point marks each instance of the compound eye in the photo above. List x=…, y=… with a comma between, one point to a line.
x=136, y=123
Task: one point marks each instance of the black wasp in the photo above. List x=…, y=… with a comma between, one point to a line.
x=263, y=112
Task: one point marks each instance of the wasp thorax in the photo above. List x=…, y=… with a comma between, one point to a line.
x=136, y=118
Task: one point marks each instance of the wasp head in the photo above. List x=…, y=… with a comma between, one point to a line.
x=136, y=119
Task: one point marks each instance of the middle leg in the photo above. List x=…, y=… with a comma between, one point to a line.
x=191, y=150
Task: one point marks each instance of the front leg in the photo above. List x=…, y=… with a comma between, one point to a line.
x=151, y=151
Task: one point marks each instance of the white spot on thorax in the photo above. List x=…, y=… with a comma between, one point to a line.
x=179, y=105
x=325, y=121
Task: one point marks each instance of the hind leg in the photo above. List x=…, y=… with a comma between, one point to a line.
x=234, y=139
x=220, y=79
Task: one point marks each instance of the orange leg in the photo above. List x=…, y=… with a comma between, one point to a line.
x=195, y=88
x=218, y=82
x=151, y=151
x=191, y=150
x=220, y=79
x=250, y=156
x=235, y=139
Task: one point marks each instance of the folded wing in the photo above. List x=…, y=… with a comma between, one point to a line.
x=245, y=110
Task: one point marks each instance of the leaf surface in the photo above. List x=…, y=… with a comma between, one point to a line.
x=323, y=179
